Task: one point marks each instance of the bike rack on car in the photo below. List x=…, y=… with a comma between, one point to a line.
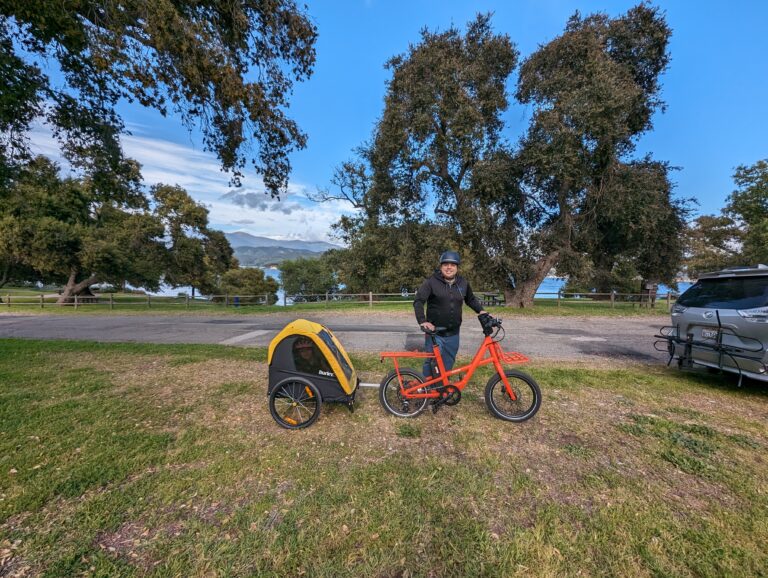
x=670, y=335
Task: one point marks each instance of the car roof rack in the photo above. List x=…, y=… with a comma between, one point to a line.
x=747, y=270
x=746, y=267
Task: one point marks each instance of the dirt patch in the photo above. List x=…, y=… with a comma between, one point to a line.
x=11, y=564
x=161, y=381
x=133, y=541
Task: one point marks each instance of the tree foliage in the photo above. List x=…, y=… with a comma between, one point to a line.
x=248, y=285
x=594, y=90
x=301, y=277
x=637, y=231
x=69, y=230
x=713, y=242
x=748, y=207
x=739, y=235
x=226, y=67
x=390, y=258
x=195, y=255
x=438, y=154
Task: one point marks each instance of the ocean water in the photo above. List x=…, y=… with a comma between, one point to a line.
x=552, y=285
x=275, y=274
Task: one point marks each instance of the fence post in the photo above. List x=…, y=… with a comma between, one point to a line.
x=266, y=298
x=326, y=298
x=558, y=299
x=8, y=300
x=613, y=298
x=75, y=301
x=370, y=298
x=149, y=301
x=669, y=301
x=111, y=301
x=226, y=300
x=41, y=301
x=285, y=298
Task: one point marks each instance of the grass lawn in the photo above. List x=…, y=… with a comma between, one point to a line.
x=147, y=460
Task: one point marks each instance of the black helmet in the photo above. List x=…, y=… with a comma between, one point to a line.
x=450, y=257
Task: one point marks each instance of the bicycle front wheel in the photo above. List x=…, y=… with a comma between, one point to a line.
x=527, y=396
x=393, y=400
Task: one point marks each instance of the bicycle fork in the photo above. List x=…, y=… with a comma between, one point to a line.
x=496, y=355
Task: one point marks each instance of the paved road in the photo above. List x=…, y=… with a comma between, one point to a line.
x=599, y=338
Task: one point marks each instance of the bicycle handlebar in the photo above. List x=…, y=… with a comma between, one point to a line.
x=496, y=323
x=435, y=332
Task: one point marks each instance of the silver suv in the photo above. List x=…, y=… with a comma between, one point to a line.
x=722, y=322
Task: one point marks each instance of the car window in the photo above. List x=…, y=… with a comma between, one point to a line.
x=730, y=293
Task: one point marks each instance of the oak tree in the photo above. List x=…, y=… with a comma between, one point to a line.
x=301, y=277
x=68, y=230
x=249, y=285
x=438, y=154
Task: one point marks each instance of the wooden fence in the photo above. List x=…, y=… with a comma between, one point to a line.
x=488, y=298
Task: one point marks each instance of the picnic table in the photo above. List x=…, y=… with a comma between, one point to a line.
x=491, y=299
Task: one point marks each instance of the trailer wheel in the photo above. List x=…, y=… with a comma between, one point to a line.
x=295, y=403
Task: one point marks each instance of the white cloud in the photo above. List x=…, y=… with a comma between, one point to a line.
x=231, y=209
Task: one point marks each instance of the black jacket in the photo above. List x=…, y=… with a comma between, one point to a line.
x=444, y=302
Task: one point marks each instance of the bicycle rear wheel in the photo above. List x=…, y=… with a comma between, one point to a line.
x=392, y=399
x=527, y=394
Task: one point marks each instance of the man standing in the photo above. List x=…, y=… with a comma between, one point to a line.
x=444, y=292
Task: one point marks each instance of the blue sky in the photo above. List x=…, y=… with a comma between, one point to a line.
x=716, y=90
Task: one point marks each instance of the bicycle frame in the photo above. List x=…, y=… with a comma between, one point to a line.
x=489, y=352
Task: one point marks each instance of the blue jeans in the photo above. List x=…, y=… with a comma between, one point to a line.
x=449, y=348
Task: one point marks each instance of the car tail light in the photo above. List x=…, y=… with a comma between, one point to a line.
x=756, y=315
x=678, y=309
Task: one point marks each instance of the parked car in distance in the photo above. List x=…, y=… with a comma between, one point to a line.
x=721, y=321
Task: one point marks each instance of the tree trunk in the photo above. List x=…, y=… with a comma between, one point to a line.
x=4, y=278
x=73, y=288
x=522, y=295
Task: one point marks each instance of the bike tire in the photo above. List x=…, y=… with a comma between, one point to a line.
x=391, y=399
x=526, y=390
x=295, y=403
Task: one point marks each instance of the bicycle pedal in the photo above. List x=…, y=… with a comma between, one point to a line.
x=437, y=403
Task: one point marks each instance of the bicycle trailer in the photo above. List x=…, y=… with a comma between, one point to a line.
x=307, y=366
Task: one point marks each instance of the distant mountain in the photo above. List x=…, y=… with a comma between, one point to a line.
x=241, y=239
x=264, y=256
x=253, y=251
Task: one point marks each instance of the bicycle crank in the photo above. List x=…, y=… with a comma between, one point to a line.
x=454, y=395
x=449, y=395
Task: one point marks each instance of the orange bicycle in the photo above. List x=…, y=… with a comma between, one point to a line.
x=510, y=395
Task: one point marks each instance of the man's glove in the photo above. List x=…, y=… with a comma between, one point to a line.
x=487, y=322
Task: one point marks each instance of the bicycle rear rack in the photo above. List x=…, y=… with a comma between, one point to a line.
x=669, y=335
